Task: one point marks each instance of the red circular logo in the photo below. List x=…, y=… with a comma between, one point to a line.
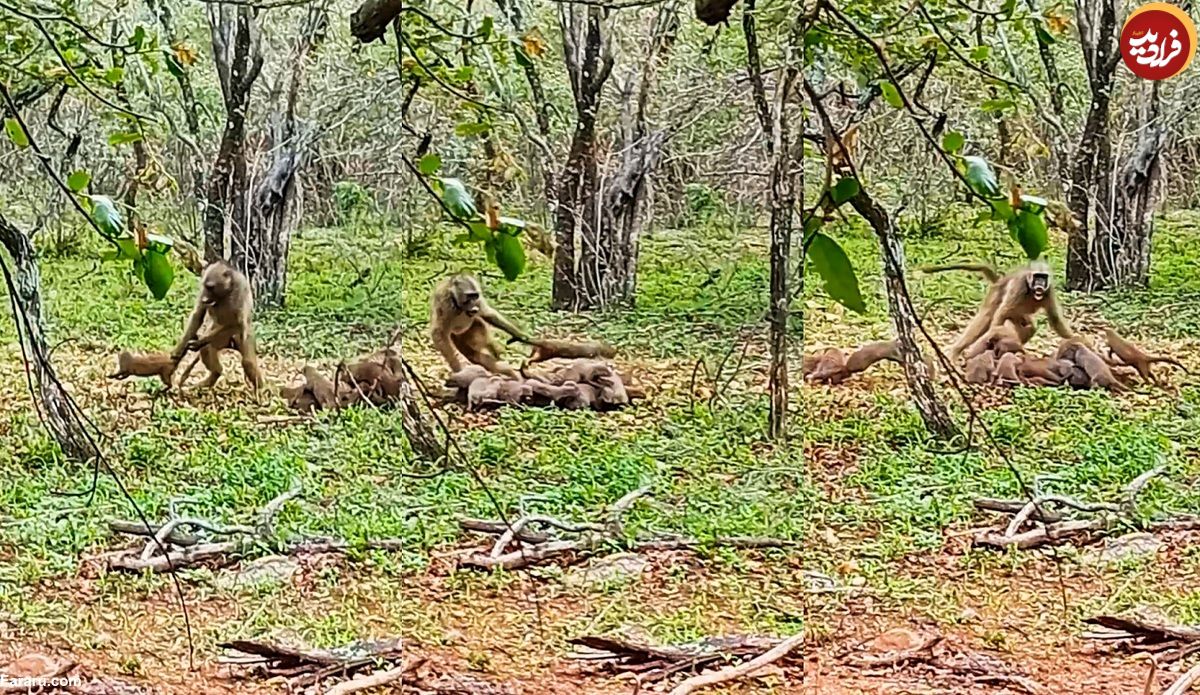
x=1158, y=41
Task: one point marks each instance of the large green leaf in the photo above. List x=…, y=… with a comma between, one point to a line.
x=512, y=225
x=891, y=94
x=1044, y=37
x=981, y=177
x=1002, y=209
x=456, y=197
x=953, y=141
x=479, y=231
x=981, y=53
x=833, y=265
x=510, y=255
x=844, y=190
x=158, y=273
x=16, y=133
x=78, y=180
x=429, y=164
x=106, y=216
x=114, y=75
x=1033, y=203
x=1031, y=233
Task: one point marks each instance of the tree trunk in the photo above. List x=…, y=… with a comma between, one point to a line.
x=273, y=206
x=920, y=382
x=55, y=408
x=1113, y=205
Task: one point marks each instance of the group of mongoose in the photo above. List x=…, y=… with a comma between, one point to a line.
x=461, y=323
x=993, y=344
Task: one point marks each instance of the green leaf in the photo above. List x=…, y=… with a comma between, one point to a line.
x=479, y=232
x=429, y=164
x=139, y=37
x=891, y=94
x=78, y=180
x=489, y=250
x=981, y=177
x=456, y=197
x=992, y=105
x=811, y=227
x=833, y=265
x=114, y=75
x=844, y=190
x=1033, y=203
x=1002, y=210
x=160, y=243
x=158, y=273
x=1044, y=37
x=519, y=53
x=1031, y=233
x=510, y=255
x=127, y=249
x=953, y=141
x=124, y=138
x=980, y=53
x=16, y=133
x=512, y=225
x=1008, y=7
x=106, y=216
x=463, y=74
x=173, y=65
x=469, y=129
x=486, y=27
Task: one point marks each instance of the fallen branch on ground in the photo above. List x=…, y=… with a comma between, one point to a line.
x=517, y=547
x=1036, y=522
x=942, y=662
x=1167, y=643
x=780, y=651
x=651, y=663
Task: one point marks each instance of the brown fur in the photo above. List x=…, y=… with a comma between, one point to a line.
x=1045, y=371
x=157, y=364
x=1006, y=369
x=980, y=368
x=496, y=391
x=1098, y=371
x=1133, y=356
x=550, y=349
x=226, y=302
x=867, y=355
x=998, y=340
x=460, y=326
x=1015, y=297
x=828, y=366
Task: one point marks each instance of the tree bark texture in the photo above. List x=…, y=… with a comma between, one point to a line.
x=55, y=408
x=1112, y=203
x=933, y=412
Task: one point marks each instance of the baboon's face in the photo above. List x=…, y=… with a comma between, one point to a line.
x=1039, y=285
x=466, y=296
x=216, y=286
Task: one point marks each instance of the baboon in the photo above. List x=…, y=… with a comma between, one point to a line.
x=226, y=301
x=1045, y=371
x=610, y=391
x=1015, y=297
x=496, y=391
x=987, y=271
x=1006, y=369
x=542, y=393
x=980, y=368
x=1133, y=356
x=581, y=372
x=157, y=364
x=826, y=366
x=1098, y=371
x=460, y=325
x=578, y=396
x=371, y=379
x=299, y=398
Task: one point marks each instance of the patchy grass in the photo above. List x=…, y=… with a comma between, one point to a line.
x=704, y=453
x=894, y=506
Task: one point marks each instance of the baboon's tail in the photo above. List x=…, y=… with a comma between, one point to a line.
x=983, y=269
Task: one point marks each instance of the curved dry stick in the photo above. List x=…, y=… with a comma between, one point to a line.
x=742, y=670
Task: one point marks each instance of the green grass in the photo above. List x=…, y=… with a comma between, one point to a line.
x=711, y=470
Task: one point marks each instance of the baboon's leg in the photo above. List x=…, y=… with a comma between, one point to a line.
x=212, y=360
